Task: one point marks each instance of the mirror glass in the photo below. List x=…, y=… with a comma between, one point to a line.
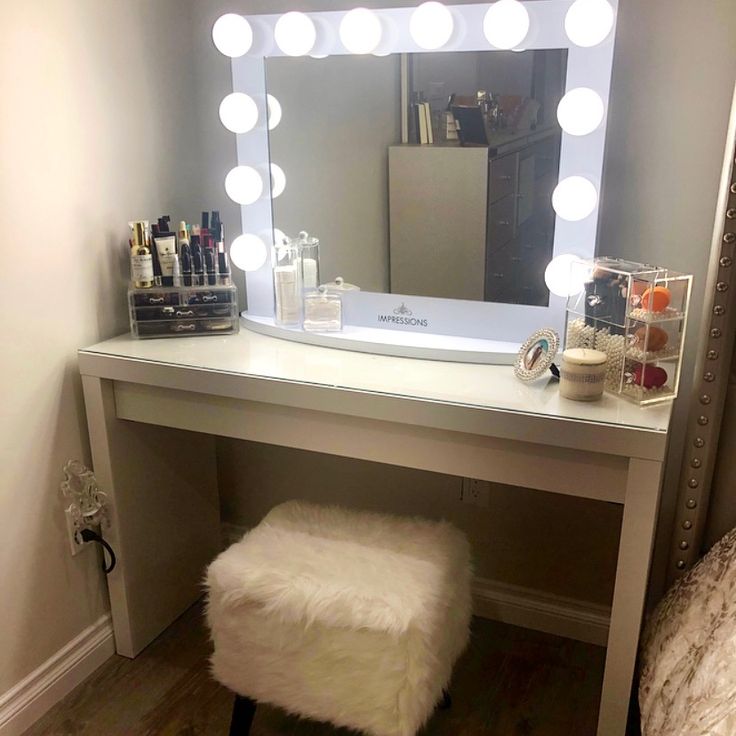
x=424, y=174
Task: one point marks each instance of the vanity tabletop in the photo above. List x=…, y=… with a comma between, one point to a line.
x=485, y=399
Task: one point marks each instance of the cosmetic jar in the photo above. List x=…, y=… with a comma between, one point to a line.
x=340, y=286
x=582, y=374
x=322, y=311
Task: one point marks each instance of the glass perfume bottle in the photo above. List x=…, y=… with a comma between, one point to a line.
x=322, y=311
x=287, y=283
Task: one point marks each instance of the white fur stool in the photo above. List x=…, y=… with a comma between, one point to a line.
x=341, y=616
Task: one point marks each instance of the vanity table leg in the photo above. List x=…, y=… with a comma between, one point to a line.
x=164, y=516
x=634, y=556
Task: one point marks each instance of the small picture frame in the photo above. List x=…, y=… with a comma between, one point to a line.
x=536, y=355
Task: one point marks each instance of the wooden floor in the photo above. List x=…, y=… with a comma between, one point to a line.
x=511, y=682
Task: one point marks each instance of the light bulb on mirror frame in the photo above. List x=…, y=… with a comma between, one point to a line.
x=506, y=24
x=278, y=181
x=589, y=22
x=273, y=111
x=248, y=252
x=565, y=275
x=361, y=31
x=431, y=25
x=244, y=185
x=232, y=35
x=295, y=33
x=279, y=236
x=580, y=111
x=574, y=198
x=239, y=113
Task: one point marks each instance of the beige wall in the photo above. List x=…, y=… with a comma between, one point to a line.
x=674, y=71
x=96, y=98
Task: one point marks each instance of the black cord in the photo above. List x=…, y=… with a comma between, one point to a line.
x=88, y=535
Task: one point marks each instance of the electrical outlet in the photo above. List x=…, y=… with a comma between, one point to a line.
x=75, y=543
x=476, y=492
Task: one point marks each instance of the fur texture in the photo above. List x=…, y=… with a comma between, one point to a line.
x=342, y=616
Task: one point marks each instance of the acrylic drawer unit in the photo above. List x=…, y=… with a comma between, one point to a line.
x=183, y=311
x=636, y=314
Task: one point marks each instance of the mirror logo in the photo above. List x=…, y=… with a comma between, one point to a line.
x=403, y=316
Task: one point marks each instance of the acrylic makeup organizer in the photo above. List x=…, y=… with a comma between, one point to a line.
x=636, y=314
x=183, y=311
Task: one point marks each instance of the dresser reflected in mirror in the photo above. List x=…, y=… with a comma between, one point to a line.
x=423, y=174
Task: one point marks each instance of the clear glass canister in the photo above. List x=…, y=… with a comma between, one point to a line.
x=309, y=254
x=287, y=283
x=322, y=311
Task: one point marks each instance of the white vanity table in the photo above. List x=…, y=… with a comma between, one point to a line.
x=154, y=408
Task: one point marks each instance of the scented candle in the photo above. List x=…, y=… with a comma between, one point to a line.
x=582, y=374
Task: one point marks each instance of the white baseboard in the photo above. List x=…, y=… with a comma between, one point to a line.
x=25, y=703
x=534, y=609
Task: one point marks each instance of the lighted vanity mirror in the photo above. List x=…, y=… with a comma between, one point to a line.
x=467, y=216
x=325, y=135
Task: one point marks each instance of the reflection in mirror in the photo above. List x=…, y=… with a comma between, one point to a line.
x=461, y=208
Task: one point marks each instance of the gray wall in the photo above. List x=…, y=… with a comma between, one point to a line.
x=674, y=70
x=341, y=115
x=94, y=131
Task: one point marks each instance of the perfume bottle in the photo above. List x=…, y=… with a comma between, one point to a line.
x=322, y=311
x=141, y=260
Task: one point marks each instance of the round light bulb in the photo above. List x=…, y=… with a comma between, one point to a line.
x=360, y=31
x=580, y=111
x=565, y=275
x=232, y=35
x=431, y=25
x=248, y=252
x=295, y=33
x=244, y=185
x=274, y=111
x=279, y=236
x=506, y=24
x=574, y=198
x=239, y=112
x=588, y=22
x=278, y=181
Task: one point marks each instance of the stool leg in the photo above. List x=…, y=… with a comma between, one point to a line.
x=243, y=711
x=446, y=702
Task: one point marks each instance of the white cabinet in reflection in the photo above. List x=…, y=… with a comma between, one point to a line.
x=474, y=222
x=437, y=216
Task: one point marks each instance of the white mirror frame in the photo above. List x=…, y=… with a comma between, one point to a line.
x=447, y=329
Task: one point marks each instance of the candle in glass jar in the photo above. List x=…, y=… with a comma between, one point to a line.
x=582, y=374
x=309, y=271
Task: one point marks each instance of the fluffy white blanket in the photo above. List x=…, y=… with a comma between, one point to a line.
x=688, y=683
